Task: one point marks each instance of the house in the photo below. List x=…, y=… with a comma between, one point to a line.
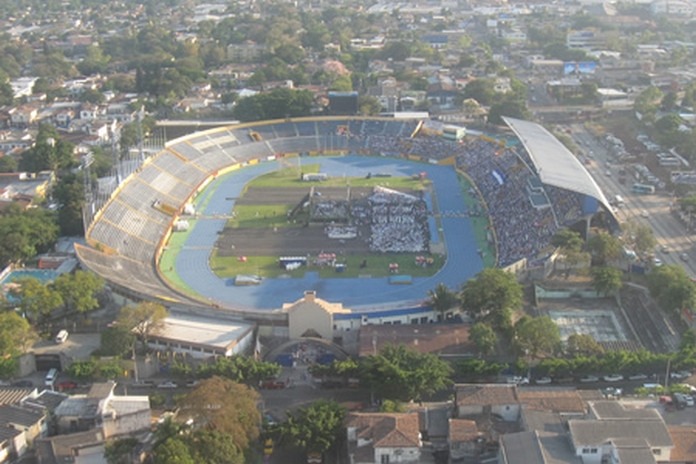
x=76, y=448
x=24, y=115
x=464, y=439
x=378, y=438
x=684, y=439
x=564, y=401
x=100, y=409
x=620, y=433
x=19, y=427
x=312, y=315
x=496, y=399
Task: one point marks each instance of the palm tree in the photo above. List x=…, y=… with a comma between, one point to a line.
x=442, y=299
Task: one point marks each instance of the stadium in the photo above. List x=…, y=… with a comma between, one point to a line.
x=527, y=186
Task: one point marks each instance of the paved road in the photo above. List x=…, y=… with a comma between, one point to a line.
x=669, y=232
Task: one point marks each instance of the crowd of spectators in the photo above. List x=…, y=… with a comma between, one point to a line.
x=501, y=172
x=398, y=222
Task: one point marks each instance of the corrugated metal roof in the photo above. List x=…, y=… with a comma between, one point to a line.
x=554, y=163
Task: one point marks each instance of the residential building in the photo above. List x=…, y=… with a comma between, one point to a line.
x=19, y=427
x=76, y=448
x=383, y=438
x=100, y=409
x=424, y=338
x=498, y=399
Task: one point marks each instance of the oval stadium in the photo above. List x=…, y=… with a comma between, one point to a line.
x=166, y=227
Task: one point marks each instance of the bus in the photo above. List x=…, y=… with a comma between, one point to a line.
x=643, y=188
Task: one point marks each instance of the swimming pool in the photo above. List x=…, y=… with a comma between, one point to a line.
x=42, y=275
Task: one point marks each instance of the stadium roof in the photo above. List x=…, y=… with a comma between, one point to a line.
x=554, y=163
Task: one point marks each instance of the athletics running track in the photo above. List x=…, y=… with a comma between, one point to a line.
x=463, y=260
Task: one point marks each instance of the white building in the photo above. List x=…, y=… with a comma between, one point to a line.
x=201, y=337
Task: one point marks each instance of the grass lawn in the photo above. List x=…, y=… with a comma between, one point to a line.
x=261, y=216
x=377, y=266
x=290, y=177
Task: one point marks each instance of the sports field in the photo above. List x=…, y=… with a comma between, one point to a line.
x=269, y=221
x=459, y=246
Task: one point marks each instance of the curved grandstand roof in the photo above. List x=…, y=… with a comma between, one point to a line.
x=554, y=163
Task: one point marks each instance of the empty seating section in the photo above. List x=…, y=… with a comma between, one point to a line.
x=242, y=135
x=214, y=161
x=137, y=223
x=285, y=130
x=250, y=151
x=305, y=129
x=295, y=145
x=225, y=137
x=186, y=173
x=265, y=131
x=186, y=150
x=159, y=180
x=118, y=239
x=329, y=127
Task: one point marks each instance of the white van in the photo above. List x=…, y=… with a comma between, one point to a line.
x=61, y=336
x=51, y=377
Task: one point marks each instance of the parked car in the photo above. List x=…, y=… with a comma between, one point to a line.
x=679, y=375
x=192, y=383
x=684, y=257
x=637, y=377
x=167, y=384
x=589, y=379
x=689, y=400
x=272, y=384
x=517, y=380
x=613, y=378
x=66, y=385
x=543, y=380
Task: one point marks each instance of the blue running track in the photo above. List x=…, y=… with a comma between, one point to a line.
x=463, y=260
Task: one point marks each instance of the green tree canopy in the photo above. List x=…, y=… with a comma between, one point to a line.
x=25, y=233
x=315, y=428
x=583, y=345
x=226, y=407
x=278, y=103
x=242, y=369
x=442, y=299
x=537, y=335
x=492, y=291
x=15, y=337
x=144, y=318
x=173, y=450
x=604, y=247
x=211, y=446
x=50, y=152
x=38, y=300
x=606, y=280
x=484, y=337
x=672, y=288
x=79, y=290
x=116, y=341
x=567, y=240
x=398, y=373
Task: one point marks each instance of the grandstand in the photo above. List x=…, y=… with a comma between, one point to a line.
x=126, y=234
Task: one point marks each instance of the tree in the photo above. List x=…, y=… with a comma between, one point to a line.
x=640, y=236
x=442, y=300
x=144, y=318
x=116, y=341
x=535, y=335
x=647, y=102
x=583, y=345
x=672, y=288
x=50, y=152
x=242, y=369
x=568, y=240
x=507, y=106
x=368, y=105
x=25, y=233
x=120, y=451
x=38, y=300
x=69, y=192
x=211, y=446
x=484, y=338
x=315, y=428
x=15, y=337
x=604, y=248
x=226, y=407
x=79, y=290
x=8, y=164
x=398, y=373
x=83, y=370
x=492, y=291
x=278, y=103
x=172, y=451
x=606, y=280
